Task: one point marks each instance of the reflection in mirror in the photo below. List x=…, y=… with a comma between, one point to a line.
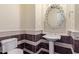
x=54, y=16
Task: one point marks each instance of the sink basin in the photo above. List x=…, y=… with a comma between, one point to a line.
x=52, y=37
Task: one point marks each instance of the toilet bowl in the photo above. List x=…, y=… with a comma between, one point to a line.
x=9, y=46
x=16, y=51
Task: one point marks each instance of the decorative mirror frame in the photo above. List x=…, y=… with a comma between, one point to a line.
x=52, y=6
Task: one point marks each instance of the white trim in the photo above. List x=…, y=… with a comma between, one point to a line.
x=75, y=35
x=35, y=43
x=11, y=30
x=33, y=32
x=72, y=50
x=31, y=42
x=10, y=33
x=63, y=45
x=28, y=51
x=44, y=41
x=15, y=32
x=20, y=42
x=41, y=49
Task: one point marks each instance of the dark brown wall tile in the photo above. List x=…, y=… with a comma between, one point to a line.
x=28, y=46
x=36, y=48
x=33, y=38
x=25, y=52
x=21, y=46
x=66, y=39
x=45, y=45
x=32, y=47
x=76, y=45
x=37, y=37
x=30, y=37
x=62, y=50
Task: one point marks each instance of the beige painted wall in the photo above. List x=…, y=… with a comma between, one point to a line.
x=27, y=16
x=72, y=17
x=70, y=21
x=38, y=17
x=31, y=17
x=9, y=17
x=17, y=17
x=77, y=17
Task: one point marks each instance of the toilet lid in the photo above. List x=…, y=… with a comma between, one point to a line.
x=16, y=51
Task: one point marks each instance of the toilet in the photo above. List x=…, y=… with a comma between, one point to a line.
x=9, y=46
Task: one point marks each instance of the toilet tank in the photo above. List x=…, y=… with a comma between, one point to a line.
x=8, y=44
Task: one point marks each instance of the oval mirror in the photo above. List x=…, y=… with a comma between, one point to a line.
x=55, y=16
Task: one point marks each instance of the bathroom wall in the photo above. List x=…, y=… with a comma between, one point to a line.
x=77, y=17
x=38, y=16
x=15, y=17
x=9, y=17
x=75, y=32
x=20, y=17
x=10, y=23
x=31, y=17
x=27, y=16
x=72, y=17
x=59, y=30
x=70, y=21
x=31, y=24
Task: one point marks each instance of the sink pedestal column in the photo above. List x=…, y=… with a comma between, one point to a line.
x=51, y=39
x=51, y=47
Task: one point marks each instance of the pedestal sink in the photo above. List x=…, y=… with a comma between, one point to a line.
x=51, y=38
